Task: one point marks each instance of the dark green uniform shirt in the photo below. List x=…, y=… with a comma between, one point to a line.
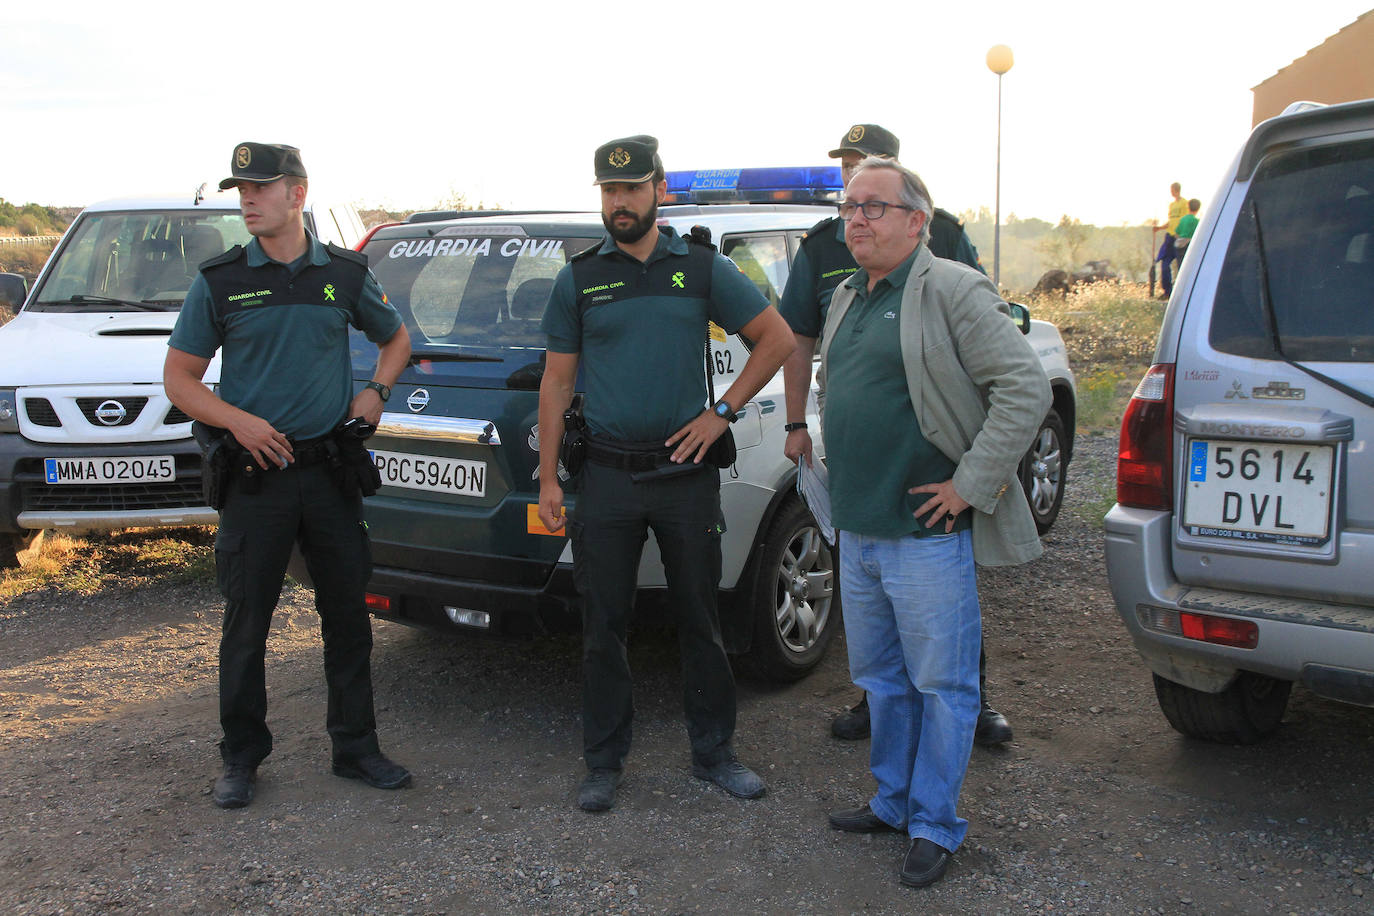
x=874, y=447
x=823, y=262
x=283, y=329
x=640, y=329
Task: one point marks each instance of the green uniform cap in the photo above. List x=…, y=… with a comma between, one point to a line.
x=868, y=139
x=629, y=159
x=263, y=162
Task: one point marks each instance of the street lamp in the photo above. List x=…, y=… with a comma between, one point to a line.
x=999, y=62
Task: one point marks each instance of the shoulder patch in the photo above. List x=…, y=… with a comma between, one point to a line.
x=229, y=257
x=347, y=254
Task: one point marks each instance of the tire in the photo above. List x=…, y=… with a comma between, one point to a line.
x=1247, y=711
x=11, y=545
x=1043, y=472
x=793, y=596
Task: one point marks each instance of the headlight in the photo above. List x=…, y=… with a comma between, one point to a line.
x=9, y=411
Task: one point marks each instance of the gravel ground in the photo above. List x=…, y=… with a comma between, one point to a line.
x=108, y=723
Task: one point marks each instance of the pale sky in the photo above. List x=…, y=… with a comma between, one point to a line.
x=404, y=103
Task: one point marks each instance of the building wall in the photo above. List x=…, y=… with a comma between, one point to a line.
x=1340, y=69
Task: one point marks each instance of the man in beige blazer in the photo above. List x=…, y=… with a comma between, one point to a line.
x=932, y=395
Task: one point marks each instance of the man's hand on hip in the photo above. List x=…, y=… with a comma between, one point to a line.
x=696, y=437
x=944, y=504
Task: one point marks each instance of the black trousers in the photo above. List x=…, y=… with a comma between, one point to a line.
x=252, y=548
x=608, y=529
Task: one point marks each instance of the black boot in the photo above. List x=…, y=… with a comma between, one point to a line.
x=852, y=724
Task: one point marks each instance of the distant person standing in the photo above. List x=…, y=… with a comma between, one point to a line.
x=1186, y=227
x=1168, y=251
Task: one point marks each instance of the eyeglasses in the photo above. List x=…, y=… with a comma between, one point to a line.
x=873, y=209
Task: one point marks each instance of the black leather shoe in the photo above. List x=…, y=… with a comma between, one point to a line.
x=859, y=820
x=993, y=728
x=597, y=792
x=925, y=863
x=374, y=769
x=852, y=724
x=235, y=788
x=734, y=777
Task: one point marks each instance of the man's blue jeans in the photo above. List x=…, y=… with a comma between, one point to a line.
x=912, y=623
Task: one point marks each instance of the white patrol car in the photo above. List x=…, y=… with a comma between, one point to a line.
x=456, y=537
x=88, y=439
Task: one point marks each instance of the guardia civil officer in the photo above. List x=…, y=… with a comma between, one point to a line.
x=822, y=263
x=632, y=312
x=279, y=312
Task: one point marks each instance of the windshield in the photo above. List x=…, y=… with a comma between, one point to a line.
x=119, y=261
x=1315, y=213
x=462, y=292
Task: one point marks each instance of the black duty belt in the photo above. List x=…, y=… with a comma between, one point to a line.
x=628, y=456
x=304, y=453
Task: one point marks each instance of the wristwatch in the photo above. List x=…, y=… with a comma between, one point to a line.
x=724, y=411
x=382, y=391
x=793, y=427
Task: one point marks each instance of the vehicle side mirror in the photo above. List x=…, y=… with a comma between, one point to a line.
x=1021, y=315
x=13, y=290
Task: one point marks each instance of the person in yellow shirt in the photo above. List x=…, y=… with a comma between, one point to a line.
x=1168, y=252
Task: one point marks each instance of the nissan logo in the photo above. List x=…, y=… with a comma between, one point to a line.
x=418, y=400
x=111, y=413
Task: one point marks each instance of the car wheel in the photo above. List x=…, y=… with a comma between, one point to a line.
x=1043, y=472
x=1243, y=713
x=793, y=597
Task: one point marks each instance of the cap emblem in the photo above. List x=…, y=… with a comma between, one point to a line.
x=619, y=158
x=856, y=133
x=242, y=156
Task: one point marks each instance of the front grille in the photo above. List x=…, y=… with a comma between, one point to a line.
x=175, y=416
x=132, y=408
x=37, y=496
x=40, y=412
x=177, y=494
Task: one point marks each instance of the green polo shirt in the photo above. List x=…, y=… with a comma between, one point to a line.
x=640, y=331
x=874, y=448
x=282, y=330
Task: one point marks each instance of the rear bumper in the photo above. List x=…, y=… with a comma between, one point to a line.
x=1327, y=647
x=424, y=600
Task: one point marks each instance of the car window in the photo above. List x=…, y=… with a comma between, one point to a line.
x=762, y=258
x=148, y=256
x=472, y=288
x=1311, y=213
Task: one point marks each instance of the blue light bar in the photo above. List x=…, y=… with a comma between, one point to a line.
x=803, y=184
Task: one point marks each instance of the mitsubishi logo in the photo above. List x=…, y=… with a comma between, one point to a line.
x=418, y=400
x=111, y=413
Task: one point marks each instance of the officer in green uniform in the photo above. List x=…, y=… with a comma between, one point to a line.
x=632, y=312
x=279, y=312
x=822, y=263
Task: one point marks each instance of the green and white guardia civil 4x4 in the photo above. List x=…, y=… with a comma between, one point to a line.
x=456, y=537
x=88, y=439
x=1241, y=548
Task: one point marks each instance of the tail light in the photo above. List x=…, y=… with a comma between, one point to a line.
x=1145, y=459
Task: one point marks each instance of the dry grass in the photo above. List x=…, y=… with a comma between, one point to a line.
x=1109, y=330
x=131, y=558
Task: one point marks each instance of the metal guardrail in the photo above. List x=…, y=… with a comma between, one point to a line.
x=20, y=241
